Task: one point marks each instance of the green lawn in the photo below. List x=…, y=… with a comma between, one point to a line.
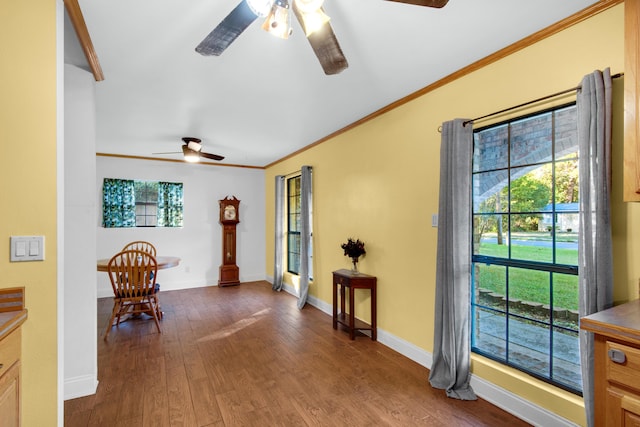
x=529, y=285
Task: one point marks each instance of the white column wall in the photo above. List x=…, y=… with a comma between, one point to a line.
x=80, y=322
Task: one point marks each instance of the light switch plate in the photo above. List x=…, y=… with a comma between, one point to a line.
x=27, y=248
x=434, y=220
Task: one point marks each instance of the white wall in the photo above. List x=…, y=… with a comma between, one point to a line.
x=80, y=322
x=198, y=243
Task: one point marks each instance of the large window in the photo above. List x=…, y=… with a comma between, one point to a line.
x=525, y=245
x=129, y=203
x=293, y=225
x=293, y=228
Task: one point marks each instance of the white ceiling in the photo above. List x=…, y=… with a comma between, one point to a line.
x=265, y=98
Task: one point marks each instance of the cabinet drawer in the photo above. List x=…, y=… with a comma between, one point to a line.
x=627, y=372
x=9, y=351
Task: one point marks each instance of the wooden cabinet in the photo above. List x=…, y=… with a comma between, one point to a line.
x=616, y=364
x=12, y=315
x=10, y=380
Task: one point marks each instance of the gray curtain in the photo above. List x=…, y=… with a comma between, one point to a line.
x=595, y=260
x=279, y=235
x=305, y=232
x=450, y=369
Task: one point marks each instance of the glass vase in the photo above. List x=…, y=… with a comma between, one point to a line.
x=354, y=267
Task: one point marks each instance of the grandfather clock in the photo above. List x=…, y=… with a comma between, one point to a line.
x=229, y=218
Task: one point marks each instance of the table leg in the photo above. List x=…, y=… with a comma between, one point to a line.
x=352, y=313
x=374, y=314
x=335, y=305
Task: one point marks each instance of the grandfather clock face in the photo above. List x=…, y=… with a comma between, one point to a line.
x=229, y=218
x=229, y=210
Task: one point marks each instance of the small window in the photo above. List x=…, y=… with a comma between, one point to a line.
x=146, y=194
x=129, y=203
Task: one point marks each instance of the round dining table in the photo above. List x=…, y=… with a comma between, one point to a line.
x=163, y=262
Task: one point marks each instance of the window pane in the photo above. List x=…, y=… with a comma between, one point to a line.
x=152, y=220
x=488, y=311
x=567, y=182
x=490, y=235
x=566, y=132
x=529, y=345
x=533, y=289
x=490, y=149
x=530, y=189
x=489, y=284
x=531, y=140
x=566, y=360
x=527, y=243
x=489, y=191
x=293, y=258
x=490, y=331
x=565, y=301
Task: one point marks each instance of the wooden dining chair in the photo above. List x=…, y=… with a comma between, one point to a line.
x=133, y=278
x=140, y=245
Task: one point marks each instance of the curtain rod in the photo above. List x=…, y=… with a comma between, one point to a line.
x=553, y=95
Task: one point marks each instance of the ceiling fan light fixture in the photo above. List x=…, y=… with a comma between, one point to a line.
x=278, y=22
x=313, y=21
x=190, y=155
x=194, y=146
x=308, y=6
x=260, y=7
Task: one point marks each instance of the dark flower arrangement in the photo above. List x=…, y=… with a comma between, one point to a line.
x=353, y=248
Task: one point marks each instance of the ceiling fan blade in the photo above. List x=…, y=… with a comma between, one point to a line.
x=326, y=47
x=227, y=30
x=428, y=3
x=211, y=156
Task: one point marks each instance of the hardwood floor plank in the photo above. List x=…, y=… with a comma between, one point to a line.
x=181, y=412
x=247, y=356
x=203, y=397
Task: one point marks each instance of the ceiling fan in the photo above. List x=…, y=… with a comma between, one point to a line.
x=192, y=150
x=310, y=15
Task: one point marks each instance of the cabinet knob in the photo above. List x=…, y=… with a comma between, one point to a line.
x=1, y=365
x=617, y=356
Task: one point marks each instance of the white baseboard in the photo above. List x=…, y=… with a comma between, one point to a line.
x=521, y=408
x=84, y=385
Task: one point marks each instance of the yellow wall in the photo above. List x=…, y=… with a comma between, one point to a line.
x=28, y=189
x=379, y=182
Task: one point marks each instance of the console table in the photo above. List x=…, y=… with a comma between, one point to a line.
x=349, y=279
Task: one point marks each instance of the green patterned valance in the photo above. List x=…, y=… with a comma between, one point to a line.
x=170, y=204
x=118, y=203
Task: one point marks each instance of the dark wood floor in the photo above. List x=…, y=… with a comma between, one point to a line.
x=246, y=356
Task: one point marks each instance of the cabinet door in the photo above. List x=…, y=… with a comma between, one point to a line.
x=10, y=397
x=630, y=411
